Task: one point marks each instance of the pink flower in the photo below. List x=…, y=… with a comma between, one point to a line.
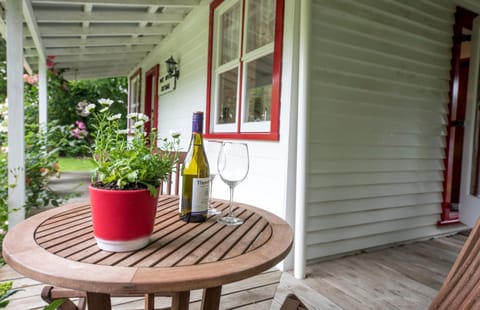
x=81, y=125
x=31, y=79
x=76, y=133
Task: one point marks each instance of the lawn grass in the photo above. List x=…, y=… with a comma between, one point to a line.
x=71, y=164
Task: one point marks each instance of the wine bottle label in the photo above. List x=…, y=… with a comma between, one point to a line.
x=200, y=195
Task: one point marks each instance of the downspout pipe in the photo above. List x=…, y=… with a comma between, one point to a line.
x=302, y=139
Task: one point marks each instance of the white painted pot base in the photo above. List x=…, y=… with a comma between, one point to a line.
x=122, y=246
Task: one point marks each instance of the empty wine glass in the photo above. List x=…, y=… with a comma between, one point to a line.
x=213, y=149
x=232, y=168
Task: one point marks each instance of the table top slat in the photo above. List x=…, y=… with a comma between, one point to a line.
x=173, y=226
x=73, y=244
x=261, y=239
x=237, y=232
x=247, y=239
x=206, y=243
x=66, y=234
x=55, y=224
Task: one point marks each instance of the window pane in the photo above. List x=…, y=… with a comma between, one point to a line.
x=227, y=97
x=259, y=89
x=261, y=23
x=230, y=31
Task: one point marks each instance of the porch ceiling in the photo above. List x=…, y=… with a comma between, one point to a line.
x=98, y=38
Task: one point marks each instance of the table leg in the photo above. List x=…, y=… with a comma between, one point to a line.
x=98, y=301
x=211, y=298
x=181, y=300
x=149, y=301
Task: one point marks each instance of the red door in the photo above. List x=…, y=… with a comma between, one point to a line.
x=151, y=98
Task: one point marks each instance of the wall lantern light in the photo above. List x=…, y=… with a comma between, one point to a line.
x=168, y=82
x=172, y=68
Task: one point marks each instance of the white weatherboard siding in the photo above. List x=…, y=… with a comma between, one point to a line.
x=266, y=183
x=380, y=73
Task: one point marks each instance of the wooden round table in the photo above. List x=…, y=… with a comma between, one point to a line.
x=57, y=247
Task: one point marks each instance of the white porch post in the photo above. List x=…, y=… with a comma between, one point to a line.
x=303, y=139
x=16, y=137
x=42, y=94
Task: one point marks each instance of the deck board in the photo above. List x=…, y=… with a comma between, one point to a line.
x=400, y=277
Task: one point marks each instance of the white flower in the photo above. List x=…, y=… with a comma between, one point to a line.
x=3, y=129
x=104, y=110
x=122, y=131
x=142, y=117
x=105, y=102
x=138, y=124
x=132, y=115
x=175, y=134
x=114, y=117
x=90, y=108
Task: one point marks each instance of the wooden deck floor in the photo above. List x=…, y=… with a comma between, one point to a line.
x=401, y=277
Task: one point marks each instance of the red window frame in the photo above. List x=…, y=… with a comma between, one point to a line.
x=274, y=133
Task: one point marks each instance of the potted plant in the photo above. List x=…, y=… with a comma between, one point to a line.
x=125, y=183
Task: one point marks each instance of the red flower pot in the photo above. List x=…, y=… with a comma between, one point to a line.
x=122, y=219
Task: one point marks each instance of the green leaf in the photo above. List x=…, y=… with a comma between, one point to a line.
x=55, y=304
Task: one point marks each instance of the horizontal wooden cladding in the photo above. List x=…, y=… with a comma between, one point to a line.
x=385, y=123
x=370, y=29
x=371, y=68
x=365, y=191
x=380, y=44
x=418, y=18
x=372, y=203
x=327, y=180
x=361, y=113
x=380, y=227
x=325, y=91
x=379, y=97
x=391, y=165
x=374, y=85
x=338, y=151
x=369, y=241
x=322, y=46
x=379, y=138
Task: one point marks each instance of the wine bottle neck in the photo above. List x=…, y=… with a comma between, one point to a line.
x=197, y=139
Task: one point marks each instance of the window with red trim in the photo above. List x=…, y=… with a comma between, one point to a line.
x=244, y=70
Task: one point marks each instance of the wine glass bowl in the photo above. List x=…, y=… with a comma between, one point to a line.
x=233, y=166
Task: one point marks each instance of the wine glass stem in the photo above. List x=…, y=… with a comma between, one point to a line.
x=210, y=202
x=230, y=207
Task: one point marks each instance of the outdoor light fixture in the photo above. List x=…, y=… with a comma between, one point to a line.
x=168, y=82
x=172, y=68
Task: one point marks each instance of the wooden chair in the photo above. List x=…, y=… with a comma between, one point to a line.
x=461, y=288
x=171, y=185
x=292, y=302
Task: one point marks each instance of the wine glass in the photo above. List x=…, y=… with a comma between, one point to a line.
x=233, y=168
x=213, y=149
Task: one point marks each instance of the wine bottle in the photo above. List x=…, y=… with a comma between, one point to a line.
x=195, y=176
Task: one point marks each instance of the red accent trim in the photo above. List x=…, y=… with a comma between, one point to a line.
x=244, y=136
x=463, y=19
x=151, y=81
x=277, y=69
x=276, y=81
x=213, y=6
